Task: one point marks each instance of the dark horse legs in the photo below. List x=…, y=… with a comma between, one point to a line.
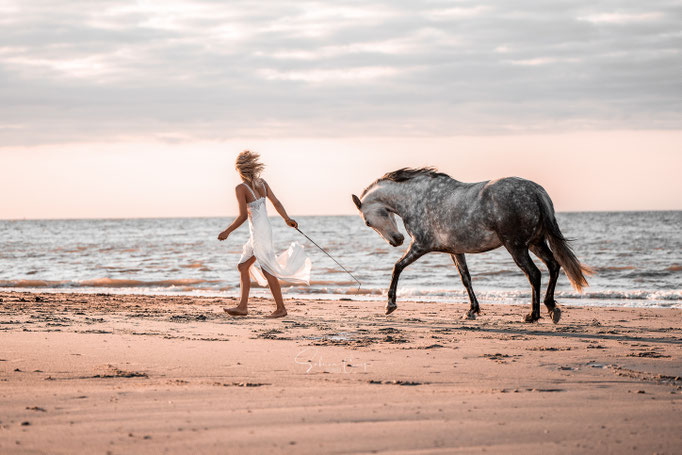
x=520, y=255
x=461, y=263
x=411, y=255
x=542, y=251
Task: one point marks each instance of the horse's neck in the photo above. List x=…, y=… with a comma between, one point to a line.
x=401, y=198
x=408, y=199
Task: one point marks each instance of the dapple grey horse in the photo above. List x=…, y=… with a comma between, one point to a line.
x=447, y=216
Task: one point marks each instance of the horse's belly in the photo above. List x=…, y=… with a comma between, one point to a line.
x=482, y=242
x=473, y=241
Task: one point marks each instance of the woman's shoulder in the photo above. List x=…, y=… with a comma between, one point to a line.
x=240, y=190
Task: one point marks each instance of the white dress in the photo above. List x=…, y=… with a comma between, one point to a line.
x=292, y=266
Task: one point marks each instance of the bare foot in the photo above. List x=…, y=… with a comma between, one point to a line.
x=236, y=311
x=277, y=314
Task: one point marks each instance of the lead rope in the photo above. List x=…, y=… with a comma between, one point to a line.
x=330, y=256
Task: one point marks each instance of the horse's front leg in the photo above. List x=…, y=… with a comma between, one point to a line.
x=412, y=254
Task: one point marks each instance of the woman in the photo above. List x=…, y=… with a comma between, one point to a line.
x=292, y=266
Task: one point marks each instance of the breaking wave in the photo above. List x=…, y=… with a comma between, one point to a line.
x=104, y=283
x=666, y=295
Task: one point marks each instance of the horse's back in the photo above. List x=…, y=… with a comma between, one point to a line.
x=514, y=206
x=513, y=192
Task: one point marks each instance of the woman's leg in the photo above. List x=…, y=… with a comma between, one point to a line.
x=276, y=290
x=245, y=279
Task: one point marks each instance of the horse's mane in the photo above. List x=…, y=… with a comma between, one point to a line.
x=405, y=174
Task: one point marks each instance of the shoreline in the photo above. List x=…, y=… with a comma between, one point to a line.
x=597, y=299
x=85, y=373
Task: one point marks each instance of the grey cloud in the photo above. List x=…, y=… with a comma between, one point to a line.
x=70, y=72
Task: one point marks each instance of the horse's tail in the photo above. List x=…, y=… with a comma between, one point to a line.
x=561, y=247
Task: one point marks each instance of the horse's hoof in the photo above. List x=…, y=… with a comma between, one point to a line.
x=470, y=316
x=390, y=309
x=556, y=315
x=530, y=318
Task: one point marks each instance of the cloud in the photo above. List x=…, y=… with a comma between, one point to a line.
x=542, y=61
x=622, y=18
x=331, y=75
x=456, y=12
x=207, y=69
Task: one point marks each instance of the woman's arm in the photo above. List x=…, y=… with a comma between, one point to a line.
x=279, y=207
x=241, y=199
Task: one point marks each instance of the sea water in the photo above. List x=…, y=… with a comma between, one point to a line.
x=637, y=257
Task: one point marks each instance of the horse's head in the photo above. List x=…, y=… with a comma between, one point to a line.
x=378, y=217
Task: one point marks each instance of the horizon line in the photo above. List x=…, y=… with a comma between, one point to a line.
x=307, y=216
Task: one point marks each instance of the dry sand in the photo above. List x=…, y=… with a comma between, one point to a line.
x=137, y=374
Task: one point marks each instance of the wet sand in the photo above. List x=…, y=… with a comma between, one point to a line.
x=138, y=374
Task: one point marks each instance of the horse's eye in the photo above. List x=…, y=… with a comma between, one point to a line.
x=368, y=225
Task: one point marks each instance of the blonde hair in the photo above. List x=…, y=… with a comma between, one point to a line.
x=249, y=166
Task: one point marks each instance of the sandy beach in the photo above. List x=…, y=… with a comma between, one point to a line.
x=115, y=374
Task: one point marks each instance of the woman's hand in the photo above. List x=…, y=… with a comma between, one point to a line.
x=223, y=235
x=292, y=223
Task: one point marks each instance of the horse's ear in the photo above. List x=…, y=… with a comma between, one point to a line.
x=358, y=202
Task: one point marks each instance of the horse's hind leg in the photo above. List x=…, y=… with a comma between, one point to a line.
x=525, y=263
x=461, y=263
x=542, y=251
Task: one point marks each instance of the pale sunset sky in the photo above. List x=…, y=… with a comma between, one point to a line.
x=120, y=108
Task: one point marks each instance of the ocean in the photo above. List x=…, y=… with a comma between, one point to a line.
x=637, y=257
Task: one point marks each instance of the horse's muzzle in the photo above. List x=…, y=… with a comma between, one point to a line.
x=397, y=240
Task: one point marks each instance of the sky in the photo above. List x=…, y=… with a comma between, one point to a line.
x=138, y=108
